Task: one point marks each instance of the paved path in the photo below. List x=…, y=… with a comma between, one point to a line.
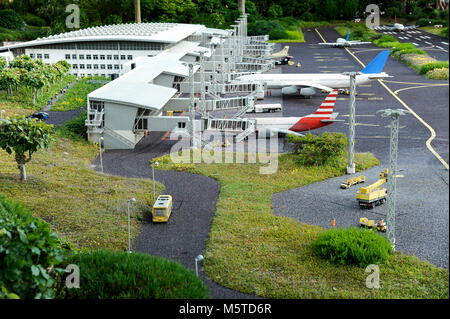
x=195, y=196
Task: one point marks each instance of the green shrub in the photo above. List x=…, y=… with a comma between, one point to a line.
x=438, y=74
x=423, y=22
x=29, y=251
x=110, y=275
x=11, y=20
x=431, y=66
x=403, y=46
x=278, y=34
x=316, y=150
x=34, y=20
x=261, y=27
x=444, y=32
x=386, y=44
x=386, y=38
x=76, y=127
x=352, y=246
x=411, y=51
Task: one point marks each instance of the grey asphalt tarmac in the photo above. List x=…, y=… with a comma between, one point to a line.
x=186, y=233
x=422, y=200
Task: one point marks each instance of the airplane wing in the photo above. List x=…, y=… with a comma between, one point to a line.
x=410, y=27
x=286, y=132
x=358, y=42
x=307, y=84
x=328, y=43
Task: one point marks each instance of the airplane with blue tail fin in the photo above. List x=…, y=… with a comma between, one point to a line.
x=307, y=84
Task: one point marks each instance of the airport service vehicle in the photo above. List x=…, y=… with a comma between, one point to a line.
x=162, y=209
x=323, y=116
x=307, y=84
x=264, y=108
x=342, y=43
x=284, y=60
x=370, y=223
x=373, y=195
x=39, y=116
x=353, y=181
x=398, y=27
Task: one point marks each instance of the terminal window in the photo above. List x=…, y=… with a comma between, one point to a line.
x=46, y=56
x=81, y=56
x=95, y=66
x=116, y=57
x=122, y=57
x=75, y=66
x=88, y=56
x=130, y=57
x=31, y=55
x=109, y=66
x=39, y=56
x=116, y=66
x=102, y=57
x=95, y=57
x=88, y=66
x=102, y=66
x=74, y=56
x=81, y=66
x=67, y=56
x=108, y=57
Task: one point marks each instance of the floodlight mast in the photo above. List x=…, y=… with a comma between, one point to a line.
x=351, y=123
x=391, y=183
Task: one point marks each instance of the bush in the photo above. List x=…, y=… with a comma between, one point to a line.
x=352, y=246
x=261, y=27
x=411, y=51
x=326, y=148
x=76, y=127
x=403, y=46
x=34, y=20
x=278, y=34
x=29, y=251
x=444, y=32
x=386, y=44
x=431, y=66
x=386, y=38
x=109, y=275
x=438, y=74
x=11, y=20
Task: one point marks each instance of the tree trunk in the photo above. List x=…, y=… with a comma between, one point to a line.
x=34, y=96
x=23, y=172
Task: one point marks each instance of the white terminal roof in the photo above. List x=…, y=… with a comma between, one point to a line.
x=143, y=32
x=136, y=88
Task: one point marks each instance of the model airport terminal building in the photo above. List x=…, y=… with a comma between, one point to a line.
x=151, y=66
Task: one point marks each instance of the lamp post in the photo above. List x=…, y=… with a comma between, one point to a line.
x=100, y=142
x=1, y=114
x=131, y=200
x=391, y=183
x=153, y=173
x=197, y=259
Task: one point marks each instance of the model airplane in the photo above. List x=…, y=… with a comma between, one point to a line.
x=280, y=54
x=323, y=116
x=341, y=43
x=307, y=84
x=395, y=27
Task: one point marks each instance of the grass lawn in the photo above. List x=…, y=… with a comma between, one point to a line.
x=23, y=98
x=76, y=96
x=256, y=252
x=84, y=206
x=432, y=29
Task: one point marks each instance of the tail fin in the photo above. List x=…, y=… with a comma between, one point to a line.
x=326, y=108
x=377, y=64
x=348, y=35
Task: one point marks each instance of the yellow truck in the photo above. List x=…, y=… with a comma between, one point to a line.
x=370, y=223
x=353, y=181
x=373, y=195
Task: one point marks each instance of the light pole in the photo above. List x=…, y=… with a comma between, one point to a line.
x=351, y=123
x=131, y=200
x=391, y=183
x=100, y=142
x=197, y=259
x=153, y=173
x=1, y=114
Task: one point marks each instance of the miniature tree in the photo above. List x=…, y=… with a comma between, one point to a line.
x=24, y=136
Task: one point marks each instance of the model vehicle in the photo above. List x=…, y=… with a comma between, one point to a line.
x=373, y=195
x=284, y=60
x=353, y=181
x=370, y=223
x=264, y=108
x=38, y=115
x=162, y=209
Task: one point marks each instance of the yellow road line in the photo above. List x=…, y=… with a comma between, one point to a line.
x=413, y=83
x=419, y=87
x=433, y=133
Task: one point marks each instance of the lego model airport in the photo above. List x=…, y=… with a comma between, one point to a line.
x=207, y=161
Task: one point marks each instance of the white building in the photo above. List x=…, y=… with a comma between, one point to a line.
x=152, y=61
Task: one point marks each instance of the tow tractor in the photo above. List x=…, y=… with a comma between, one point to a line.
x=373, y=195
x=370, y=223
x=353, y=181
x=284, y=60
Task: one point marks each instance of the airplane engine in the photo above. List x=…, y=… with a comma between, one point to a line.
x=308, y=91
x=289, y=90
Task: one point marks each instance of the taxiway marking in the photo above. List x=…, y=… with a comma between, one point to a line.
x=433, y=133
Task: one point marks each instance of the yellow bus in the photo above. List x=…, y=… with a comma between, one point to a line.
x=162, y=209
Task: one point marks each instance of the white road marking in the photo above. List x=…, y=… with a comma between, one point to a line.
x=428, y=43
x=444, y=43
x=415, y=44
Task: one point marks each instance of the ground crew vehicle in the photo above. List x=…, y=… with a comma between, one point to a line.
x=284, y=60
x=264, y=108
x=373, y=195
x=162, y=209
x=353, y=181
x=370, y=223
